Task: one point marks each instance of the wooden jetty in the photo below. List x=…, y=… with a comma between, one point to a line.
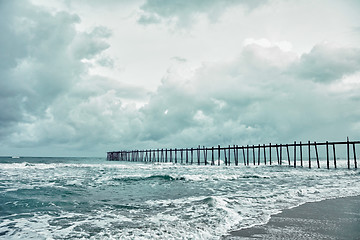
x=250, y=154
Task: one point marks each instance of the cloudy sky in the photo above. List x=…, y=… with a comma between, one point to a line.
x=79, y=78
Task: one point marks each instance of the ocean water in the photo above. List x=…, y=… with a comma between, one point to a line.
x=91, y=198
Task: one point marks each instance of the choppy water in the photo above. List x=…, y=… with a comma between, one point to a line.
x=72, y=198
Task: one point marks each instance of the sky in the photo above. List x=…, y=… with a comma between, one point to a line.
x=80, y=78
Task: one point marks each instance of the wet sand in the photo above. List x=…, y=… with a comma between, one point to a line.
x=329, y=219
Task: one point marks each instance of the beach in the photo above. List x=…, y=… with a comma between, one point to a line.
x=329, y=219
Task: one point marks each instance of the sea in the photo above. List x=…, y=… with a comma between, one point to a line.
x=91, y=198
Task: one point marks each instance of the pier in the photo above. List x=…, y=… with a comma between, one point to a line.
x=296, y=154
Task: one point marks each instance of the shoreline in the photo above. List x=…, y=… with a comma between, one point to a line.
x=337, y=218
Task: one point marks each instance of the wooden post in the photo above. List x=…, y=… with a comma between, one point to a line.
x=334, y=155
x=229, y=156
x=192, y=155
x=175, y=155
x=205, y=155
x=277, y=154
x=166, y=158
x=219, y=155
x=348, y=152
x=317, y=155
x=354, y=150
x=327, y=155
x=309, y=154
x=187, y=156
x=294, y=154
x=212, y=156
x=264, y=154
x=259, y=155
x=171, y=155
x=247, y=155
x=280, y=154
x=243, y=150
x=236, y=155
x=301, y=157
x=198, y=155
x=225, y=157
x=150, y=156
x=287, y=149
x=253, y=147
x=182, y=155
x=270, y=153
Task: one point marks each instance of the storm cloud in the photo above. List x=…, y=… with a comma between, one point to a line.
x=72, y=87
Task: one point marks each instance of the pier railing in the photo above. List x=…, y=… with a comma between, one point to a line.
x=293, y=154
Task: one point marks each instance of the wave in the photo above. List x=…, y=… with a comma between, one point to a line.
x=254, y=176
x=164, y=177
x=196, y=178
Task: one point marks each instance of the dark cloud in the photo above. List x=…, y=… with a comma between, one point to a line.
x=252, y=99
x=50, y=98
x=325, y=63
x=184, y=12
x=40, y=65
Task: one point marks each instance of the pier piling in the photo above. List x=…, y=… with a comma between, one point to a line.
x=176, y=155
